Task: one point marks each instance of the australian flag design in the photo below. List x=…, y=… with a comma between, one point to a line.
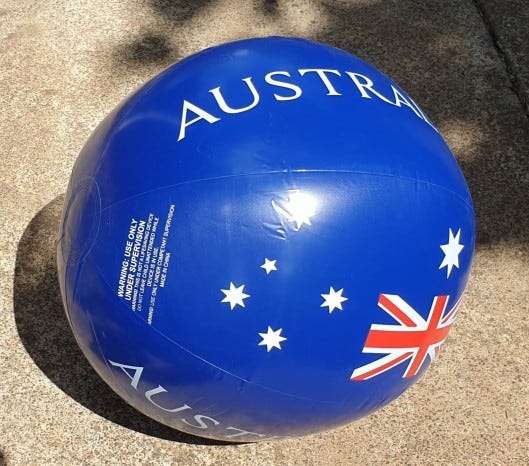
x=411, y=343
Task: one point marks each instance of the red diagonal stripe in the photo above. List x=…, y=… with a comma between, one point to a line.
x=395, y=311
x=383, y=368
x=439, y=305
x=416, y=362
x=453, y=311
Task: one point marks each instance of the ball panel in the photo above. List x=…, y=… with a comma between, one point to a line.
x=81, y=221
x=241, y=216
x=337, y=132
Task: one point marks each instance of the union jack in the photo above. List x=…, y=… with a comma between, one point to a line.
x=413, y=339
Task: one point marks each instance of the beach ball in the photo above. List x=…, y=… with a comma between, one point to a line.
x=268, y=239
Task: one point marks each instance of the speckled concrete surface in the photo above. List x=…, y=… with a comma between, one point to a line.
x=508, y=23
x=65, y=63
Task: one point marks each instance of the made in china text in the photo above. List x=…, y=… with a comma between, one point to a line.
x=288, y=87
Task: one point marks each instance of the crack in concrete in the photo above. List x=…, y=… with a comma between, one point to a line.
x=516, y=85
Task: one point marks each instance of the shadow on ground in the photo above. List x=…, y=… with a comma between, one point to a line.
x=155, y=47
x=147, y=49
x=46, y=335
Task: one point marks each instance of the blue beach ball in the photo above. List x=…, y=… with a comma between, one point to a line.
x=268, y=239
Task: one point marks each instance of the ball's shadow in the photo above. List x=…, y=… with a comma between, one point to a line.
x=46, y=335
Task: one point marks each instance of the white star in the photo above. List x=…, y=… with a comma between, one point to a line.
x=234, y=296
x=272, y=339
x=333, y=299
x=451, y=251
x=269, y=265
x=299, y=208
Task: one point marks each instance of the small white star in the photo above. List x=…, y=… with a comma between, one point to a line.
x=234, y=296
x=272, y=339
x=451, y=250
x=333, y=300
x=269, y=265
x=299, y=208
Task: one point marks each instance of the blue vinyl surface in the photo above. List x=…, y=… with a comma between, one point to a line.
x=268, y=239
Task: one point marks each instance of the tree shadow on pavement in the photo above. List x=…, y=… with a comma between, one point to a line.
x=152, y=46
x=45, y=333
x=146, y=49
x=178, y=10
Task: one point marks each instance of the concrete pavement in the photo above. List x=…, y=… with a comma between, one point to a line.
x=64, y=64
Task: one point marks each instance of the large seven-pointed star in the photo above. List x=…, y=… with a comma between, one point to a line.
x=333, y=300
x=299, y=208
x=272, y=339
x=235, y=296
x=451, y=250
